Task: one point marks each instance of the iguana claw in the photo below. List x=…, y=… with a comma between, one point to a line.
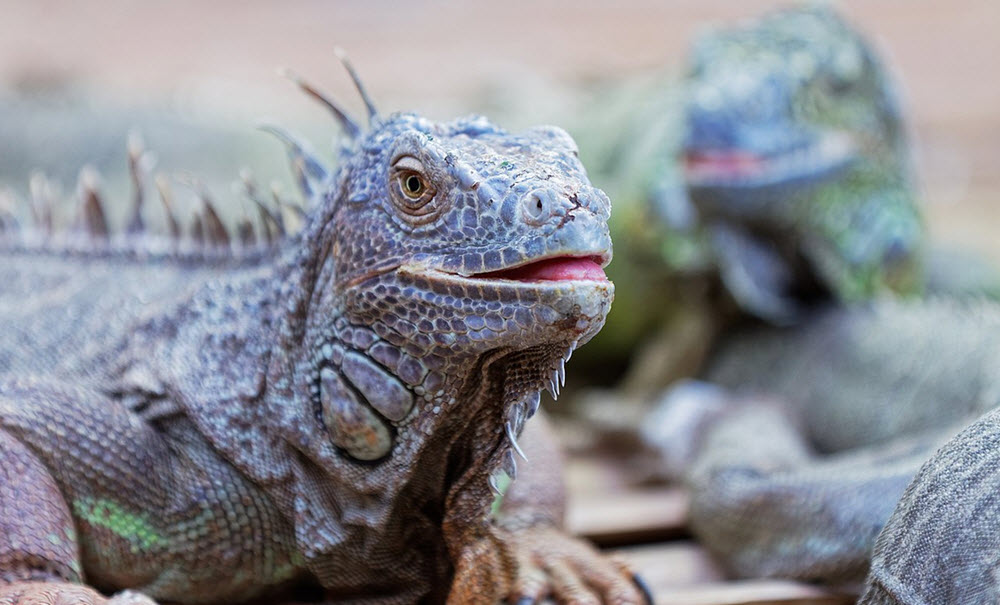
x=528, y=565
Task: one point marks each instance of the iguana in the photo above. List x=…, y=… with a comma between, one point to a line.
x=206, y=418
x=777, y=175
x=796, y=164
x=802, y=438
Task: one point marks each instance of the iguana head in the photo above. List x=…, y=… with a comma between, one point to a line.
x=787, y=101
x=453, y=259
x=792, y=128
x=449, y=217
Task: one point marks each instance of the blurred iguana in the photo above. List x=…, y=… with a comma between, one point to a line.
x=780, y=176
x=804, y=438
x=214, y=417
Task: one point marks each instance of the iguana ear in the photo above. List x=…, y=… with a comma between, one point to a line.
x=352, y=425
x=755, y=274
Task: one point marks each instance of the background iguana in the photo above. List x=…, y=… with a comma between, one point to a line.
x=805, y=436
x=778, y=175
x=212, y=418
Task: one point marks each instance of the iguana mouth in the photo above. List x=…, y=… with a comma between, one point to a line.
x=532, y=272
x=742, y=168
x=561, y=268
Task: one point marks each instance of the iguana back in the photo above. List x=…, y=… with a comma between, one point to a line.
x=61, y=312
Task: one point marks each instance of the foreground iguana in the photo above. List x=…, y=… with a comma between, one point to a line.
x=208, y=420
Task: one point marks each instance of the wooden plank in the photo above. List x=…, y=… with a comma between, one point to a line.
x=673, y=564
x=682, y=573
x=590, y=474
x=629, y=517
x=751, y=592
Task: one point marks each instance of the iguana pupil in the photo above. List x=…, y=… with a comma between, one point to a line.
x=414, y=185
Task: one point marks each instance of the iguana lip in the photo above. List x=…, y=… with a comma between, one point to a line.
x=560, y=268
x=736, y=167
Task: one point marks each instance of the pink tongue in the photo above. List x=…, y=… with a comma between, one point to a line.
x=558, y=269
x=723, y=162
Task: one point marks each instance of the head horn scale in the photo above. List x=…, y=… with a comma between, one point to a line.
x=342, y=55
x=350, y=126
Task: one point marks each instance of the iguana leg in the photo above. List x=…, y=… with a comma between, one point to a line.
x=39, y=557
x=154, y=506
x=767, y=505
x=525, y=556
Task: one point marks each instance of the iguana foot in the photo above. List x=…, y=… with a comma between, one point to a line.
x=62, y=593
x=525, y=566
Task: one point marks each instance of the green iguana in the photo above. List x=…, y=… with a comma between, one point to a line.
x=208, y=417
x=796, y=165
x=804, y=437
x=780, y=179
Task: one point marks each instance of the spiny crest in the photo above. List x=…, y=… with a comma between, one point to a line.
x=207, y=235
x=308, y=171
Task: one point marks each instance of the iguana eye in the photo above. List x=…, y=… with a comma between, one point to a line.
x=412, y=184
x=412, y=191
x=409, y=175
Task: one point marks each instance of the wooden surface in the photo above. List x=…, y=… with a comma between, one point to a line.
x=646, y=525
x=630, y=517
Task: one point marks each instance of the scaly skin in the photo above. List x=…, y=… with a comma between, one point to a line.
x=801, y=447
x=205, y=422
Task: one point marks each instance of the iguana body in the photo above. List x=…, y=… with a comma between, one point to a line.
x=800, y=448
x=209, y=422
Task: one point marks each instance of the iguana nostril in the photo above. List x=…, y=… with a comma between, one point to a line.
x=538, y=205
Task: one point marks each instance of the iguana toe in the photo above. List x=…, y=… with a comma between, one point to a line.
x=529, y=565
x=676, y=426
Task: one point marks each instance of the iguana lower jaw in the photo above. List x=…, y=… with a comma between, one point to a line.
x=552, y=299
x=737, y=170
